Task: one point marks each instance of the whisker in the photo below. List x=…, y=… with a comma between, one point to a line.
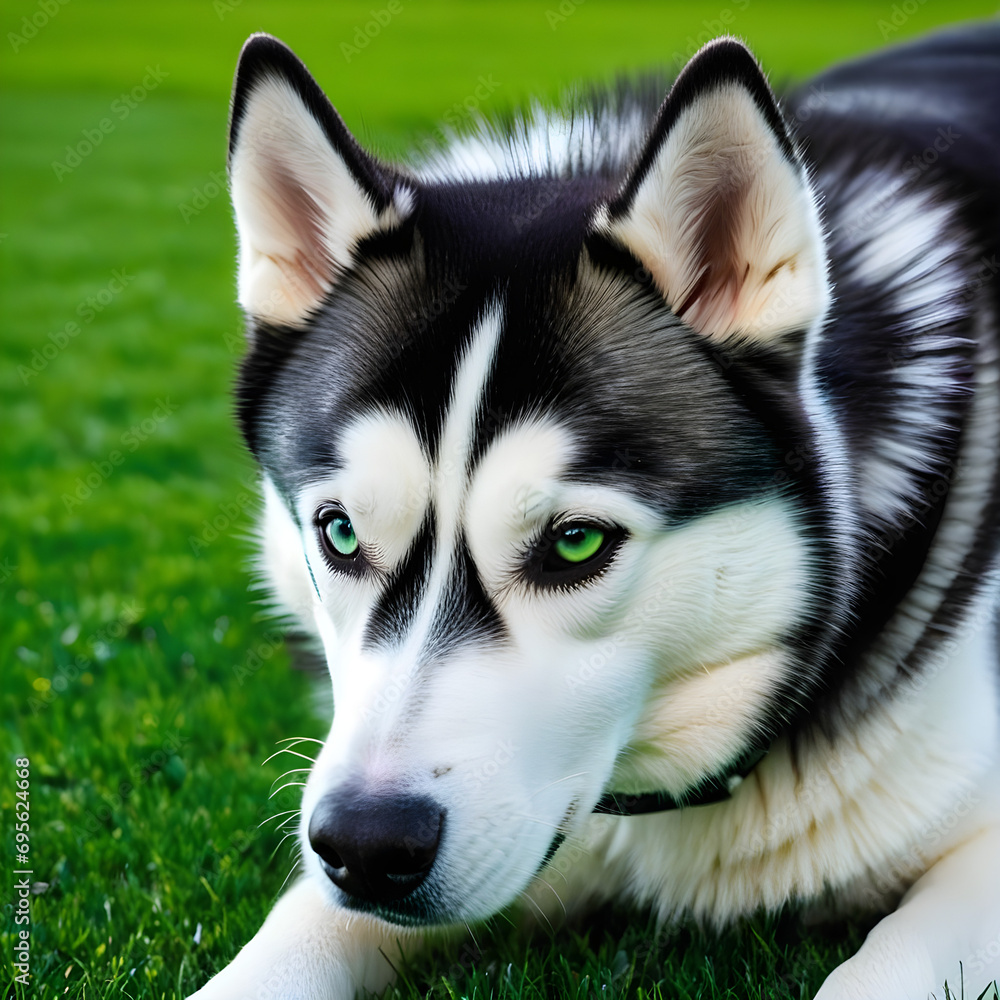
x=287, y=785
x=558, y=900
x=540, y=822
x=579, y=774
x=288, y=750
x=284, y=812
x=280, y=842
x=541, y=912
x=291, y=871
x=301, y=739
x=472, y=934
x=560, y=874
x=294, y=770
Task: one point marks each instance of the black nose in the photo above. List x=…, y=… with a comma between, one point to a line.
x=377, y=848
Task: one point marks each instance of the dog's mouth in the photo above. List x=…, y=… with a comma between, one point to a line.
x=419, y=909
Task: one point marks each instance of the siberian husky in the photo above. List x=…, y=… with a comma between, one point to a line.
x=637, y=466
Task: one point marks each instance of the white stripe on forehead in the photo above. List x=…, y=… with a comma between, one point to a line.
x=449, y=482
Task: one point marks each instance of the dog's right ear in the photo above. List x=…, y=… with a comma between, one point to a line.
x=719, y=210
x=304, y=192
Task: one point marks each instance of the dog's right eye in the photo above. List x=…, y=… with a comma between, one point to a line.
x=337, y=534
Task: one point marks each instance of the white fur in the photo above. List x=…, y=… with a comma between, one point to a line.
x=541, y=143
x=903, y=792
x=282, y=559
x=907, y=250
x=853, y=812
x=675, y=609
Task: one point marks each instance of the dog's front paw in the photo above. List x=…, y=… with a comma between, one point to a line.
x=295, y=977
x=889, y=966
x=309, y=950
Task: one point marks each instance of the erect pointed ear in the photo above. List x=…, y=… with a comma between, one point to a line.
x=718, y=207
x=303, y=190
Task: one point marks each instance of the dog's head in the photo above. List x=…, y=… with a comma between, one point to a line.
x=537, y=446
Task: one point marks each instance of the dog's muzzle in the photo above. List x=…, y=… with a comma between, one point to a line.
x=377, y=848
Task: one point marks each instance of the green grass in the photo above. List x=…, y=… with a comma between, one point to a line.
x=127, y=618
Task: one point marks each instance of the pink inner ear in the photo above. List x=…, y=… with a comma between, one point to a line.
x=312, y=267
x=300, y=208
x=725, y=221
x=719, y=263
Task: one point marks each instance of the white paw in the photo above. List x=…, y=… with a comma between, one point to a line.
x=888, y=967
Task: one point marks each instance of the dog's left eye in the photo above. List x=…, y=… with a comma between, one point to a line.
x=571, y=553
x=337, y=534
x=578, y=542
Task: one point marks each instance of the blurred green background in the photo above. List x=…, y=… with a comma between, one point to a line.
x=141, y=677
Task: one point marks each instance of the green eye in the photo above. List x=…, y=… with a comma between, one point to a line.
x=339, y=534
x=573, y=553
x=578, y=542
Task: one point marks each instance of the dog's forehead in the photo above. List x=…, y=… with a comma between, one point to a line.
x=387, y=471
x=579, y=343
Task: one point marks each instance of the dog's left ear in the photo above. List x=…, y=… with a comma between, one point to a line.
x=718, y=207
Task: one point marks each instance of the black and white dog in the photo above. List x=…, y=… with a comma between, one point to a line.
x=637, y=466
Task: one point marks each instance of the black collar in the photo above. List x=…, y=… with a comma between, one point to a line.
x=716, y=788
